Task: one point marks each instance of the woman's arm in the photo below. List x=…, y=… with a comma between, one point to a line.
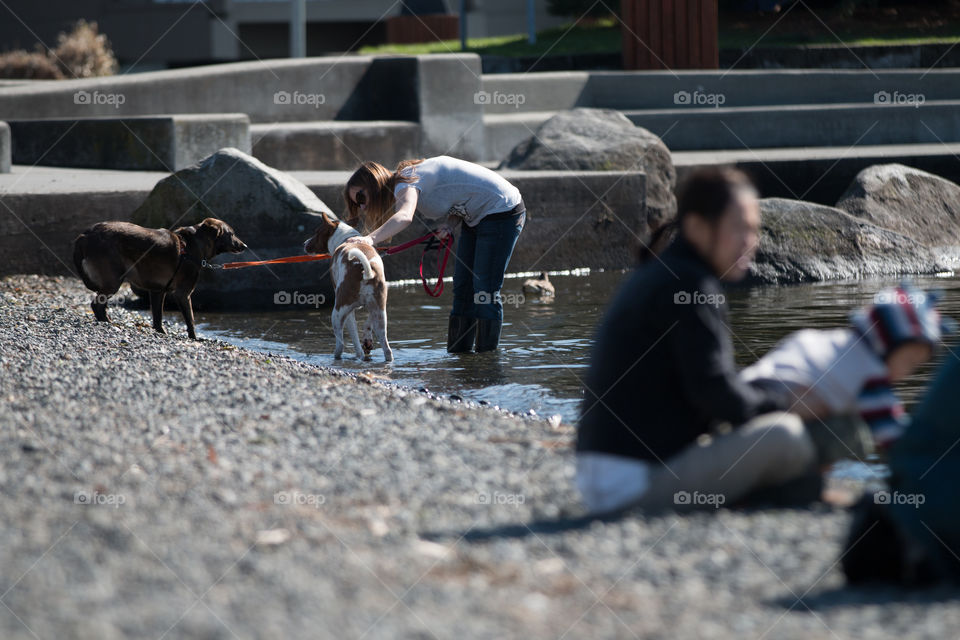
x=406, y=207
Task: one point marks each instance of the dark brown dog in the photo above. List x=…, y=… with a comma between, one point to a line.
x=157, y=260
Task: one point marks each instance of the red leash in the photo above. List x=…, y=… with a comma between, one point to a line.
x=430, y=239
x=431, y=242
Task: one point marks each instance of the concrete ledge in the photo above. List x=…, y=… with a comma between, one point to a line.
x=504, y=131
x=158, y=143
x=840, y=125
x=450, y=105
x=591, y=219
x=821, y=174
x=549, y=91
x=741, y=88
x=332, y=145
x=351, y=88
x=5, y=150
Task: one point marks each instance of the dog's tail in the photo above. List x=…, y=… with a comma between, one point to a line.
x=79, y=253
x=354, y=252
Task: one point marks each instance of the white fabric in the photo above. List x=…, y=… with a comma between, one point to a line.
x=834, y=364
x=608, y=482
x=449, y=186
x=343, y=233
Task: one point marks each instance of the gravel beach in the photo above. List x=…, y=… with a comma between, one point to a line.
x=158, y=487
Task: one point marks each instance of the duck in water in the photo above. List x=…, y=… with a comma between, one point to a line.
x=539, y=286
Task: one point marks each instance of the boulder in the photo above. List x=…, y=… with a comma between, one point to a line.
x=903, y=199
x=269, y=210
x=802, y=241
x=602, y=140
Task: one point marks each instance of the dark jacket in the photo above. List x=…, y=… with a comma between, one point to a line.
x=662, y=371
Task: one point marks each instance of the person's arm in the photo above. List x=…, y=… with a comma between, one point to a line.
x=406, y=207
x=704, y=353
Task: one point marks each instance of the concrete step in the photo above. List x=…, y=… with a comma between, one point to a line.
x=821, y=174
x=815, y=125
x=334, y=144
x=502, y=132
x=144, y=143
x=809, y=125
x=513, y=92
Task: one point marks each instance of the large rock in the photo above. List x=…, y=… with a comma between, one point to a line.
x=803, y=241
x=912, y=202
x=269, y=210
x=603, y=140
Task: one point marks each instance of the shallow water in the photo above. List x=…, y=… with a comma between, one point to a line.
x=545, y=343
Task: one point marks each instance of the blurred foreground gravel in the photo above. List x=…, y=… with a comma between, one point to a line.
x=157, y=487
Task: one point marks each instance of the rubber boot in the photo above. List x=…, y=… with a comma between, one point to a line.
x=460, y=334
x=488, y=334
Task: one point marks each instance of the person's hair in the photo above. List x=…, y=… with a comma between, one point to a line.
x=707, y=193
x=378, y=184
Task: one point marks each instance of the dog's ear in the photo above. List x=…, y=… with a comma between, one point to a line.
x=214, y=225
x=327, y=220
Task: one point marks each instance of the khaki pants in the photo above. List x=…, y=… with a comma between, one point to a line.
x=768, y=450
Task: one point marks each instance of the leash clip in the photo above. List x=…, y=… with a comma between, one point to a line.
x=210, y=265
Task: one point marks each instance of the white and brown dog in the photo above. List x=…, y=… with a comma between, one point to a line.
x=358, y=280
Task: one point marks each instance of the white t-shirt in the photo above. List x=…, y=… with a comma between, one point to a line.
x=834, y=364
x=449, y=186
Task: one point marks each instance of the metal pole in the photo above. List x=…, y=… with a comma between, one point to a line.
x=463, y=25
x=531, y=22
x=298, y=28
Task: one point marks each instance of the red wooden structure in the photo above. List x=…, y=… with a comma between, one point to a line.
x=670, y=34
x=425, y=28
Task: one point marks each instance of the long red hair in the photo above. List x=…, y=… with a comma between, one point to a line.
x=378, y=184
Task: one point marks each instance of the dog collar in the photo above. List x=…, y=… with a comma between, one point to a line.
x=341, y=235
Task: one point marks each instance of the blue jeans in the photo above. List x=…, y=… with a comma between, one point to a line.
x=483, y=254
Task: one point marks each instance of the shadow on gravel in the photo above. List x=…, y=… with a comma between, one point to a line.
x=523, y=530
x=575, y=523
x=868, y=596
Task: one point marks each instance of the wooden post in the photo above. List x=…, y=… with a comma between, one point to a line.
x=670, y=34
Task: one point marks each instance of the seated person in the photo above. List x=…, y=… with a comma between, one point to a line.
x=662, y=375
x=839, y=380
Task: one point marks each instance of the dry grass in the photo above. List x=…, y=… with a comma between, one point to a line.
x=81, y=53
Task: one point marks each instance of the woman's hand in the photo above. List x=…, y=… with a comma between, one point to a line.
x=444, y=231
x=359, y=240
